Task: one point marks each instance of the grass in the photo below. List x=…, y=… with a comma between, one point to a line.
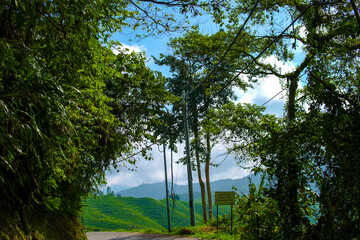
x=207, y=231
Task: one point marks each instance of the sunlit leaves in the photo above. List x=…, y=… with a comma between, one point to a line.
x=256, y=214
x=59, y=126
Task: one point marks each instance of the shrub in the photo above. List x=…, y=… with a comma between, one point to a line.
x=256, y=216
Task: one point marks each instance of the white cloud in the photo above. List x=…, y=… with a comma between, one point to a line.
x=148, y=171
x=153, y=171
x=130, y=48
x=267, y=88
x=303, y=31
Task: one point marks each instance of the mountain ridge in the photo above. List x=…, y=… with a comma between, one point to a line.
x=157, y=190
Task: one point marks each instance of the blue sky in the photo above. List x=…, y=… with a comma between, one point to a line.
x=153, y=171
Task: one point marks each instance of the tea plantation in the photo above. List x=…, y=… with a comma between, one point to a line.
x=111, y=213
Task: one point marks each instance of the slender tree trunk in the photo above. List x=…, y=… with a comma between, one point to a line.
x=201, y=182
x=198, y=164
x=293, y=182
x=207, y=175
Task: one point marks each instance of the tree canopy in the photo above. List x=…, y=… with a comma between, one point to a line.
x=307, y=154
x=69, y=106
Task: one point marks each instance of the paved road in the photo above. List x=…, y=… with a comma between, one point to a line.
x=131, y=236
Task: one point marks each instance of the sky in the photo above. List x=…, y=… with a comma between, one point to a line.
x=153, y=171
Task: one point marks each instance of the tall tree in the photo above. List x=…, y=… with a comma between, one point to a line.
x=193, y=58
x=302, y=149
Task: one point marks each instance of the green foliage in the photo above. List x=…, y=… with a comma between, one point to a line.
x=67, y=102
x=243, y=127
x=192, y=59
x=109, y=191
x=313, y=149
x=154, y=18
x=174, y=197
x=43, y=225
x=257, y=215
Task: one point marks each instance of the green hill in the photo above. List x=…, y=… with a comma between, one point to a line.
x=105, y=213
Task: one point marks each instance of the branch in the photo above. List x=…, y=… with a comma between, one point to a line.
x=299, y=69
x=174, y=3
x=327, y=86
x=147, y=14
x=170, y=3
x=228, y=49
x=356, y=11
x=288, y=36
x=267, y=47
x=52, y=23
x=264, y=66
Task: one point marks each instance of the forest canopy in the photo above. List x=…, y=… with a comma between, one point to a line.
x=69, y=106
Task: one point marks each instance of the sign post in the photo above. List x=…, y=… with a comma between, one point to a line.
x=224, y=198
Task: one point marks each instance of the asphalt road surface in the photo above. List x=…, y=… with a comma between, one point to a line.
x=132, y=236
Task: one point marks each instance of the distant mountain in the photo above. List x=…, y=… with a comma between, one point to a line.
x=153, y=190
x=157, y=190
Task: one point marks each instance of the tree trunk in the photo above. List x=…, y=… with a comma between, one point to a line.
x=207, y=175
x=23, y=219
x=287, y=171
x=293, y=183
x=201, y=182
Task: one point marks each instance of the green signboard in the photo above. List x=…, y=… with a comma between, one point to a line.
x=224, y=198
